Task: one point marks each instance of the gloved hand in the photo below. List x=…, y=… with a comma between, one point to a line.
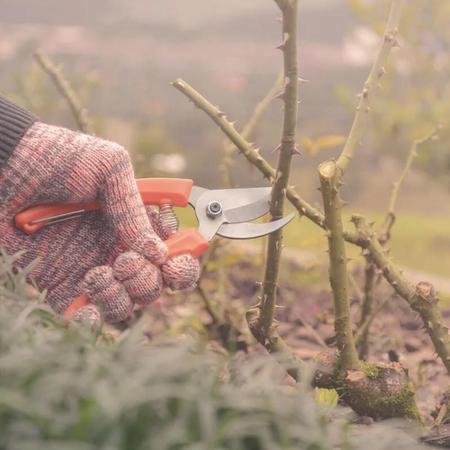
x=115, y=256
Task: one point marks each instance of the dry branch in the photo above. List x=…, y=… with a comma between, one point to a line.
x=385, y=233
x=252, y=154
x=248, y=129
x=329, y=181
x=357, y=238
x=376, y=73
x=362, y=332
x=79, y=112
x=366, y=309
x=384, y=236
x=287, y=149
x=421, y=297
x=371, y=246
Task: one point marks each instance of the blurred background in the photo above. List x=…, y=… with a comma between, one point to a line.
x=120, y=57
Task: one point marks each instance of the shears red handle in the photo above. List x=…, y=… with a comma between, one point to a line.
x=154, y=191
x=223, y=212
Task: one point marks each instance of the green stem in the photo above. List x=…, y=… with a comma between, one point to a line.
x=366, y=310
x=384, y=236
x=208, y=305
x=248, y=129
x=287, y=149
x=421, y=298
x=364, y=326
x=376, y=73
x=253, y=155
x=385, y=232
x=329, y=181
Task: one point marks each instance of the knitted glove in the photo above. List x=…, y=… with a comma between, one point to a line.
x=114, y=256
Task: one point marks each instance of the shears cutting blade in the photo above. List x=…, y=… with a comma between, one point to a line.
x=223, y=212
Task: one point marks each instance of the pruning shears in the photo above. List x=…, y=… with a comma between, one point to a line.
x=225, y=212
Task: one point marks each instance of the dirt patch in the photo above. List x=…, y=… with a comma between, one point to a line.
x=305, y=318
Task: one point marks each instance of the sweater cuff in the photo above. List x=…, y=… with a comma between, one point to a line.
x=14, y=123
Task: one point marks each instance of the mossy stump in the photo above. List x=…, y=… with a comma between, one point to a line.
x=377, y=390
x=380, y=391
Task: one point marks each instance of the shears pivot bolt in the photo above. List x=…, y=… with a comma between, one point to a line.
x=214, y=209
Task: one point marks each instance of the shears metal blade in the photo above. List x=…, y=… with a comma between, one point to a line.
x=223, y=212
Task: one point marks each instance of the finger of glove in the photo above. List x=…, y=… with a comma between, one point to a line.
x=122, y=201
x=181, y=272
x=89, y=315
x=108, y=294
x=141, y=279
x=163, y=226
x=103, y=170
x=66, y=166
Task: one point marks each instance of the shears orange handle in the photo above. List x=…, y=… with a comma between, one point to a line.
x=154, y=191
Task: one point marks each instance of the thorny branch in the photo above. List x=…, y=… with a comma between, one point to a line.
x=252, y=154
x=248, y=129
x=384, y=235
x=287, y=149
x=329, y=179
x=370, y=246
x=331, y=195
x=376, y=73
x=367, y=308
x=365, y=325
x=421, y=298
x=79, y=112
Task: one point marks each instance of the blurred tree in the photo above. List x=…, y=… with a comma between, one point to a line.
x=37, y=92
x=416, y=95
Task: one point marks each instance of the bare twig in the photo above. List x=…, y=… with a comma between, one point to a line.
x=329, y=179
x=208, y=306
x=361, y=333
x=421, y=298
x=253, y=155
x=79, y=112
x=356, y=290
x=366, y=309
x=282, y=4
x=367, y=94
x=384, y=236
x=287, y=149
x=317, y=337
x=385, y=232
x=303, y=207
x=356, y=132
x=247, y=131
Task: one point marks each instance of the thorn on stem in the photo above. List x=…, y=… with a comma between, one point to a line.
x=277, y=148
x=381, y=72
x=280, y=96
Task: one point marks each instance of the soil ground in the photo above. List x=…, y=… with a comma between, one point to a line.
x=306, y=316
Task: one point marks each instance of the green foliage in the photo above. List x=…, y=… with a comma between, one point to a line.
x=61, y=387
x=327, y=397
